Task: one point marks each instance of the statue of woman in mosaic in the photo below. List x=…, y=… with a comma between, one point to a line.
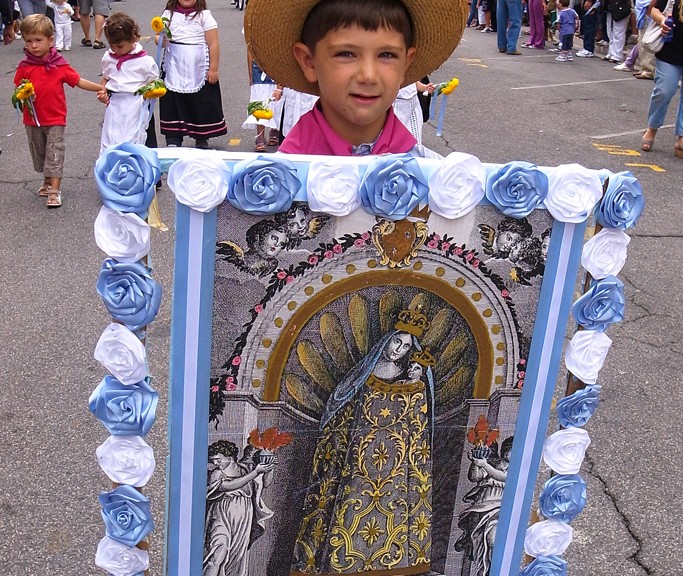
x=369, y=503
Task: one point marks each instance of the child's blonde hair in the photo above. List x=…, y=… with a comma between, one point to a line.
x=37, y=24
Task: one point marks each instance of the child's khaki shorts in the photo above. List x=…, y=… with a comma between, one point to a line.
x=46, y=144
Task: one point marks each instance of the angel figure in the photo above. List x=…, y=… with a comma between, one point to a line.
x=500, y=242
x=265, y=240
x=300, y=224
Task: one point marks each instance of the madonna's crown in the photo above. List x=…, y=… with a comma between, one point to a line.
x=413, y=322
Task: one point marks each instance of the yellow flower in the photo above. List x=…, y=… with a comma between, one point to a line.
x=263, y=114
x=450, y=86
x=157, y=24
x=154, y=93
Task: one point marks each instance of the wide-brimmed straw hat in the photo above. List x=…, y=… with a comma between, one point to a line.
x=272, y=27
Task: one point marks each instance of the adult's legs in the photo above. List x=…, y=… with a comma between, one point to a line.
x=473, y=12
x=617, y=37
x=503, y=18
x=667, y=77
x=589, y=26
x=515, y=24
x=99, y=26
x=646, y=58
x=85, y=25
x=537, y=28
x=28, y=7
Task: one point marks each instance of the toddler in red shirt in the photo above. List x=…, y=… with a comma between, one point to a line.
x=45, y=119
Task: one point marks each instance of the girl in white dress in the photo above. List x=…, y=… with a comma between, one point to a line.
x=125, y=68
x=407, y=107
x=192, y=105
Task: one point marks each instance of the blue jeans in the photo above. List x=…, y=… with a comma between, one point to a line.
x=666, y=84
x=509, y=15
x=589, y=26
x=473, y=12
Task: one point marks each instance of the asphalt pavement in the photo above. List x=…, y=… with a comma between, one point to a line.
x=526, y=107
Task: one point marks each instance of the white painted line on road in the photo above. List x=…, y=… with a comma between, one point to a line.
x=615, y=135
x=572, y=83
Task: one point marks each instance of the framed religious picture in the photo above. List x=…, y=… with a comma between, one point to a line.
x=364, y=357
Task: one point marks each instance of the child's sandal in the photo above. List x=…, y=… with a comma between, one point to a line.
x=44, y=190
x=54, y=198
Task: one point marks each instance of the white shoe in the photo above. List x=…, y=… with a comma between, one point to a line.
x=623, y=67
x=585, y=54
x=67, y=48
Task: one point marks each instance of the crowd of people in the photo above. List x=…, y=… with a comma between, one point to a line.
x=192, y=105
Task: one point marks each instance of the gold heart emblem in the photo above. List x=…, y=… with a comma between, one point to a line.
x=398, y=242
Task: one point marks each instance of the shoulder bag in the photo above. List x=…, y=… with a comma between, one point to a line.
x=652, y=35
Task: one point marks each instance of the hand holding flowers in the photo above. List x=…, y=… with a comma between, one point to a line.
x=23, y=97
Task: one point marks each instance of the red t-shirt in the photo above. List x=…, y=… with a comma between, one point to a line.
x=50, y=100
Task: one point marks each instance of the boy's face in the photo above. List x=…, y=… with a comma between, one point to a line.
x=38, y=45
x=359, y=73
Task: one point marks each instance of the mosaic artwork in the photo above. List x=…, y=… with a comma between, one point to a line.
x=390, y=356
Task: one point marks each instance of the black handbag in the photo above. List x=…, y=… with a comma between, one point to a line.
x=620, y=9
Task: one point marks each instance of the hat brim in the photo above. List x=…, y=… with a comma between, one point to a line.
x=272, y=27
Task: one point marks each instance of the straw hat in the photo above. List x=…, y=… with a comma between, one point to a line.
x=271, y=27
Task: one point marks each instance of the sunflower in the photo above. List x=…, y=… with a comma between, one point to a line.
x=157, y=24
x=262, y=114
x=450, y=86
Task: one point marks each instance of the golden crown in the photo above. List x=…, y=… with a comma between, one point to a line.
x=413, y=322
x=423, y=357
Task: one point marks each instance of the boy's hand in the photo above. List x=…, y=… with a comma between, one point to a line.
x=212, y=76
x=103, y=96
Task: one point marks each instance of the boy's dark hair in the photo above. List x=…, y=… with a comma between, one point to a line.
x=520, y=226
x=37, y=24
x=225, y=447
x=563, y=3
x=330, y=15
x=120, y=27
x=199, y=5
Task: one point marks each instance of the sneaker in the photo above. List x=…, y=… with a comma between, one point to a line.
x=585, y=54
x=561, y=58
x=569, y=58
x=487, y=29
x=633, y=39
x=623, y=67
x=554, y=50
x=67, y=48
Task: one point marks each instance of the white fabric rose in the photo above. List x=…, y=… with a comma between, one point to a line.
x=564, y=450
x=200, y=181
x=547, y=538
x=126, y=460
x=605, y=253
x=457, y=185
x=122, y=353
x=120, y=560
x=333, y=188
x=585, y=354
x=124, y=237
x=573, y=192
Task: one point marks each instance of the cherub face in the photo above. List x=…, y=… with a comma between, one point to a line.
x=398, y=346
x=273, y=242
x=505, y=241
x=296, y=224
x=415, y=371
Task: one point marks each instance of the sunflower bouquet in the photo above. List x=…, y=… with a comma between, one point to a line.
x=447, y=87
x=161, y=24
x=258, y=112
x=154, y=89
x=441, y=92
x=23, y=97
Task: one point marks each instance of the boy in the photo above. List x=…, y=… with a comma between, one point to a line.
x=354, y=54
x=48, y=72
x=567, y=21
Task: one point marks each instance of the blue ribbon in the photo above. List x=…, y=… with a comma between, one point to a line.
x=442, y=114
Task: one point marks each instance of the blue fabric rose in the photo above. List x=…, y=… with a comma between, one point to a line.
x=517, y=188
x=602, y=305
x=575, y=410
x=393, y=186
x=563, y=497
x=126, y=175
x=125, y=410
x=623, y=202
x=126, y=514
x=546, y=566
x=263, y=186
x=130, y=294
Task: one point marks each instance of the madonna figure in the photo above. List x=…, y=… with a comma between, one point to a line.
x=368, y=507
